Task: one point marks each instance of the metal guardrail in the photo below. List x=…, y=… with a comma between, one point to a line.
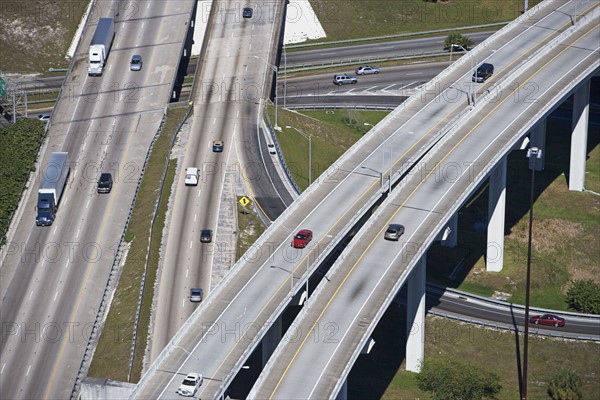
x=506, y=304
x=115, y=273
x=152, y=220
x=401, y=35
x=288, y=173
x=512, y=328
x=380, y=107
x=366, y=60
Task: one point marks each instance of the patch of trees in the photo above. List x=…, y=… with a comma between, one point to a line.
x=19, y=145
x=584, y=296
x=450, y=379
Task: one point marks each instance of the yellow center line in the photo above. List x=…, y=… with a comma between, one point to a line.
x=284, y=284
x=404, y=203
x=57, y=363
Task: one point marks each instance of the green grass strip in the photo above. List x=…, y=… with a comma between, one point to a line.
x=111, y=358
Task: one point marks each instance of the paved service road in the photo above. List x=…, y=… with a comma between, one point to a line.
x=52, y=278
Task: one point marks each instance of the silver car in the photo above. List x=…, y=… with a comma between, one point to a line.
x=366, y=70
x=394, y=231
x=196, y=295
x=136, y=63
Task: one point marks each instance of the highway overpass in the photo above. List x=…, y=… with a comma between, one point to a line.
x=221, y=333
x=371, y=271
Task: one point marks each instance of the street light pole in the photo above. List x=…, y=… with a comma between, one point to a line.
x=291, y=278
x=276, y=70
x=383, y=158
x=309, y=160
x=452, y=46
x=284, y=76
x=377, y=172
x=533, y=154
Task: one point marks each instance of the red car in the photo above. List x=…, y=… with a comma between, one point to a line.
x=547, y=319
x=302, y=238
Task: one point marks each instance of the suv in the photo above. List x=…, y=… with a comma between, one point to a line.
x=105, y=182
x=341, y=79
x=482, y=73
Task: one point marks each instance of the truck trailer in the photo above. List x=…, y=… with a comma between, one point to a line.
x=100, y=46
x=52, y=185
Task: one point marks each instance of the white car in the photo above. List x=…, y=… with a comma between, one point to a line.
x=190, y=385
x=191, y=176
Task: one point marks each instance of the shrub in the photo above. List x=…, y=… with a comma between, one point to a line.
x=584, y=296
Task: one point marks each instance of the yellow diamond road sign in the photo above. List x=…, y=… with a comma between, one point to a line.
x=244, y=201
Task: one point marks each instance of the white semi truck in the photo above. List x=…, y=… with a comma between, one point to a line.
x=100, y=46
x=54, y=180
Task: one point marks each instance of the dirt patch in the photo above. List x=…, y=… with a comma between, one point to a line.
x=35, y=36
x=549, y=235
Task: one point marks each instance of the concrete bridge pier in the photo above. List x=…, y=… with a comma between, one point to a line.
x=581, y=111
x=415, y=317
x=494, y=257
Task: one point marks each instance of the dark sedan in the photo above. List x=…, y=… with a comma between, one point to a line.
x=206, y=236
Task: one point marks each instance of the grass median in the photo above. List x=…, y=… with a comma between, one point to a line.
x=382, y=375
x=332, y=133
x=111, y=358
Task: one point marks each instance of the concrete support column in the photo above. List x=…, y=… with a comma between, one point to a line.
x=538, y=139
x=581, y=110
x=271, y=340
x=343, y=394
x=496, y=212
x=452, y=238
x=415, y=315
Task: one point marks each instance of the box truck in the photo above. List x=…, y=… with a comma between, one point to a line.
x=52, y=185
x=100, y=46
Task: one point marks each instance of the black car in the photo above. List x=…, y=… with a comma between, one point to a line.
x=247, y=12
x=105, y=182
x=206, y=236
x=483, y=72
